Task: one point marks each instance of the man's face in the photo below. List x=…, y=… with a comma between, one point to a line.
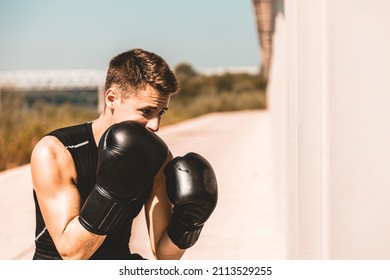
x=145, y=108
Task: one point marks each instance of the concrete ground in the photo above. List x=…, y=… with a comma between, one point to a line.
x=246, y=223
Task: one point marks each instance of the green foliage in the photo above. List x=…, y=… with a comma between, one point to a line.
x=184, y=108
x=200, y=94
x=185, y=71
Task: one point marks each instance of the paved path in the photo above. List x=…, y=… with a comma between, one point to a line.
x=245, y=224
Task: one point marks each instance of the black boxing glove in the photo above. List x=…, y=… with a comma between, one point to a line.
x=129, y=157
x=192, y=189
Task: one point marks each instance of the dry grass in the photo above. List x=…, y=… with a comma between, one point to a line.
x=21, y=127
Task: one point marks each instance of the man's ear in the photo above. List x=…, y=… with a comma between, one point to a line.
x=111, y=98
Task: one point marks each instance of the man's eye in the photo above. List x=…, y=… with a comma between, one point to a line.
x=162, y=113
x=147, y=112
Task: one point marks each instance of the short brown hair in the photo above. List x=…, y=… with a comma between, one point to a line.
x=134, y=69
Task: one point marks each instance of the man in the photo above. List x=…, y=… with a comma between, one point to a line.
x=91, y=180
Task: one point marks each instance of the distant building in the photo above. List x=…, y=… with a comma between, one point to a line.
x=78, y=87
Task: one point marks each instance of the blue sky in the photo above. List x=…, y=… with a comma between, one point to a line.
x=85, y=34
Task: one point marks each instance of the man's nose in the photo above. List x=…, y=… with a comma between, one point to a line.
x=153, y=124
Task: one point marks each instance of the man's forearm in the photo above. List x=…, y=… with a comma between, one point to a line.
x=167, y=250
x=76, y=243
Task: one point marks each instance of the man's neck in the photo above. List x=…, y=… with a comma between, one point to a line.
x=100, y=125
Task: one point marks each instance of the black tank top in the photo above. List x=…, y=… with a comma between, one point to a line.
x=79, y=141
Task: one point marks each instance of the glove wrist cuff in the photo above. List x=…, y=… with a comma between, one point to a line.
x=101, y=213
x=183, y=236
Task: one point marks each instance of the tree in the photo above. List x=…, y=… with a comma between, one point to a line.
x=185, y=71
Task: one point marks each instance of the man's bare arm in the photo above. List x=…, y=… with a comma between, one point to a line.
x=54, y=178
x=158, y=211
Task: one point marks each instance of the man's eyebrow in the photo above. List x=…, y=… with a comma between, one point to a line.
x=149, y=107
x=153, y=107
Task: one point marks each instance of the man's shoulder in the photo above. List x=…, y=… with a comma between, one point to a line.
x=49, y=147
x=51, y=165
x=53, y=141
x=69, y=129
x=73, y=135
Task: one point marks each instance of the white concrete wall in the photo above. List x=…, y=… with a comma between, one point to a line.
x=329, y=95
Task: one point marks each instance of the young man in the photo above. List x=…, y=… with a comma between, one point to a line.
x=91, y=180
